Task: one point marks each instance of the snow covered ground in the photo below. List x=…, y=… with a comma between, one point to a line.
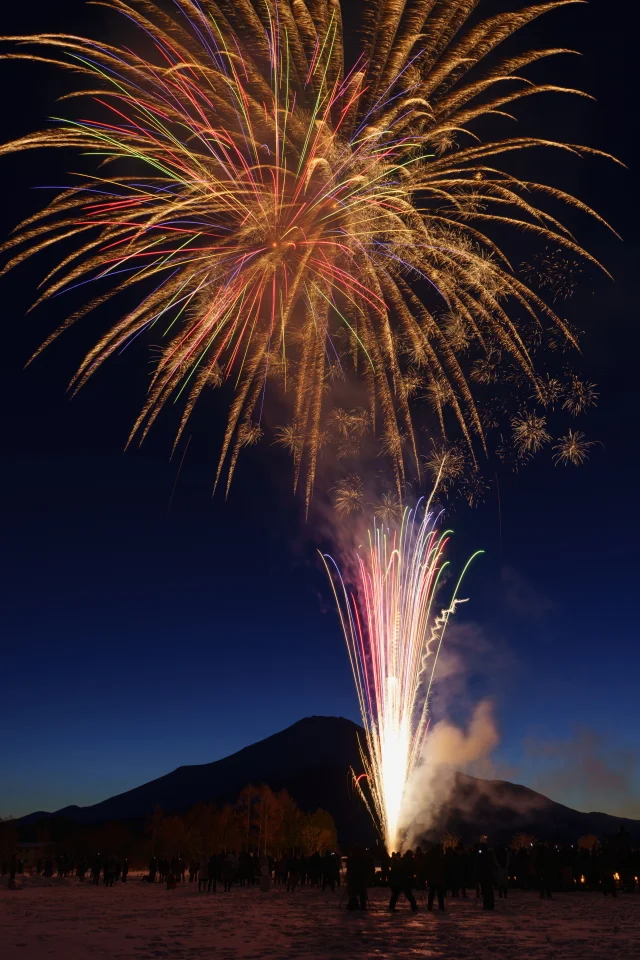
x=65, y=919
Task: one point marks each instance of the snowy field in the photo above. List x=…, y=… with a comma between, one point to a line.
x=56, y=919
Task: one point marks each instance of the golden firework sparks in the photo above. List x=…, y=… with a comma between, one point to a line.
x=445, y=463
x=348, y=496
x=270, y=204
x=580, y=396
x=388, y=509
x=529, y=433
x=573, y=448
x=548, y=391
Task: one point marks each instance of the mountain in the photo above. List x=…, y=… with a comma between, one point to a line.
x=312, y=759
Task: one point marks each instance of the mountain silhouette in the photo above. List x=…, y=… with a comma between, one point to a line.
x=313, y=759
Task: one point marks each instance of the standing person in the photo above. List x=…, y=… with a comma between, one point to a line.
x=384, y=865
x=357, y=877
x=293, y=874
x=502, y=871
x=265, y=875
x=212, y=870
x=607, y=867
x=485, y=868
x=402, y=878
x=96, y=866
x=203, y=875
x=420, y=861
x=227, y=872
x=435, y=872
x=464, y=869
x=330, y=868
x=281, y=871
x=13, y=866
x=125, y=869
x=153, y=869
x=542, y=864
x=315, y=869
x=109, y=871
x=452, y=872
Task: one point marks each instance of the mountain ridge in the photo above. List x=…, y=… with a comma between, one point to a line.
x=312, y=759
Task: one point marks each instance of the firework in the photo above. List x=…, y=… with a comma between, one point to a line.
x=580, y=396
x=552, y=270
x=286, y=218
x=529, y=433
x=394, y=637
x=388, y=509
x=445, y=464
x=573, y=448
x=348, y=495
x=548, y=391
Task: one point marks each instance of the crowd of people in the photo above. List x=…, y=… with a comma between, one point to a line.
x=437, y=871
x=248, y=869
x=433, y=872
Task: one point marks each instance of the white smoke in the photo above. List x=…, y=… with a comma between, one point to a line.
x=447, y=749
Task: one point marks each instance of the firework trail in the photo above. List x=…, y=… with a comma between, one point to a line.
x=394, y=636
x=287, y=220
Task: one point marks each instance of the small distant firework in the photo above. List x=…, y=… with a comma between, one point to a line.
x=456, y=331
x=291, y=437
x=529, y=433
x=439, y=393
x=388, y=510
x=348, y=496
x=412, y=381
x=347, y=447
x=445, y=464
x=394, y=637
x=572, y=449
x=486, y=370
x=548, y=392
x=554, y=271
x=391, y=444
x=474, y=488
x=349, y=423
x=250, y=434
x=580, y=396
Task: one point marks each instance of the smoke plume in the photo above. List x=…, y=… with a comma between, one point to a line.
x=448, y=748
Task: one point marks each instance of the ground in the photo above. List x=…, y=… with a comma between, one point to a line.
x=56, y=919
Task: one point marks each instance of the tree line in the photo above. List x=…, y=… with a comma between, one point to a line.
x=260, y=821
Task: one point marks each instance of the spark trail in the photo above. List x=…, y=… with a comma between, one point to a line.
x=394, y=636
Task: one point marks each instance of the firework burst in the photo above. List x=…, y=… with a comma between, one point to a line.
x=572, y=449
x=580, y=396
x=348, y=495
x=285, y=218
x=529, y=433
x=394, y=636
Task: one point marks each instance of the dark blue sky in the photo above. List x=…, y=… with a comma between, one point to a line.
x=137, y=638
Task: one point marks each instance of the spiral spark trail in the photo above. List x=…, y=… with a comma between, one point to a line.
x=394, y=637
x=288, y=219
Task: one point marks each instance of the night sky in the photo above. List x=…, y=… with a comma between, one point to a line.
x=146, y=625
